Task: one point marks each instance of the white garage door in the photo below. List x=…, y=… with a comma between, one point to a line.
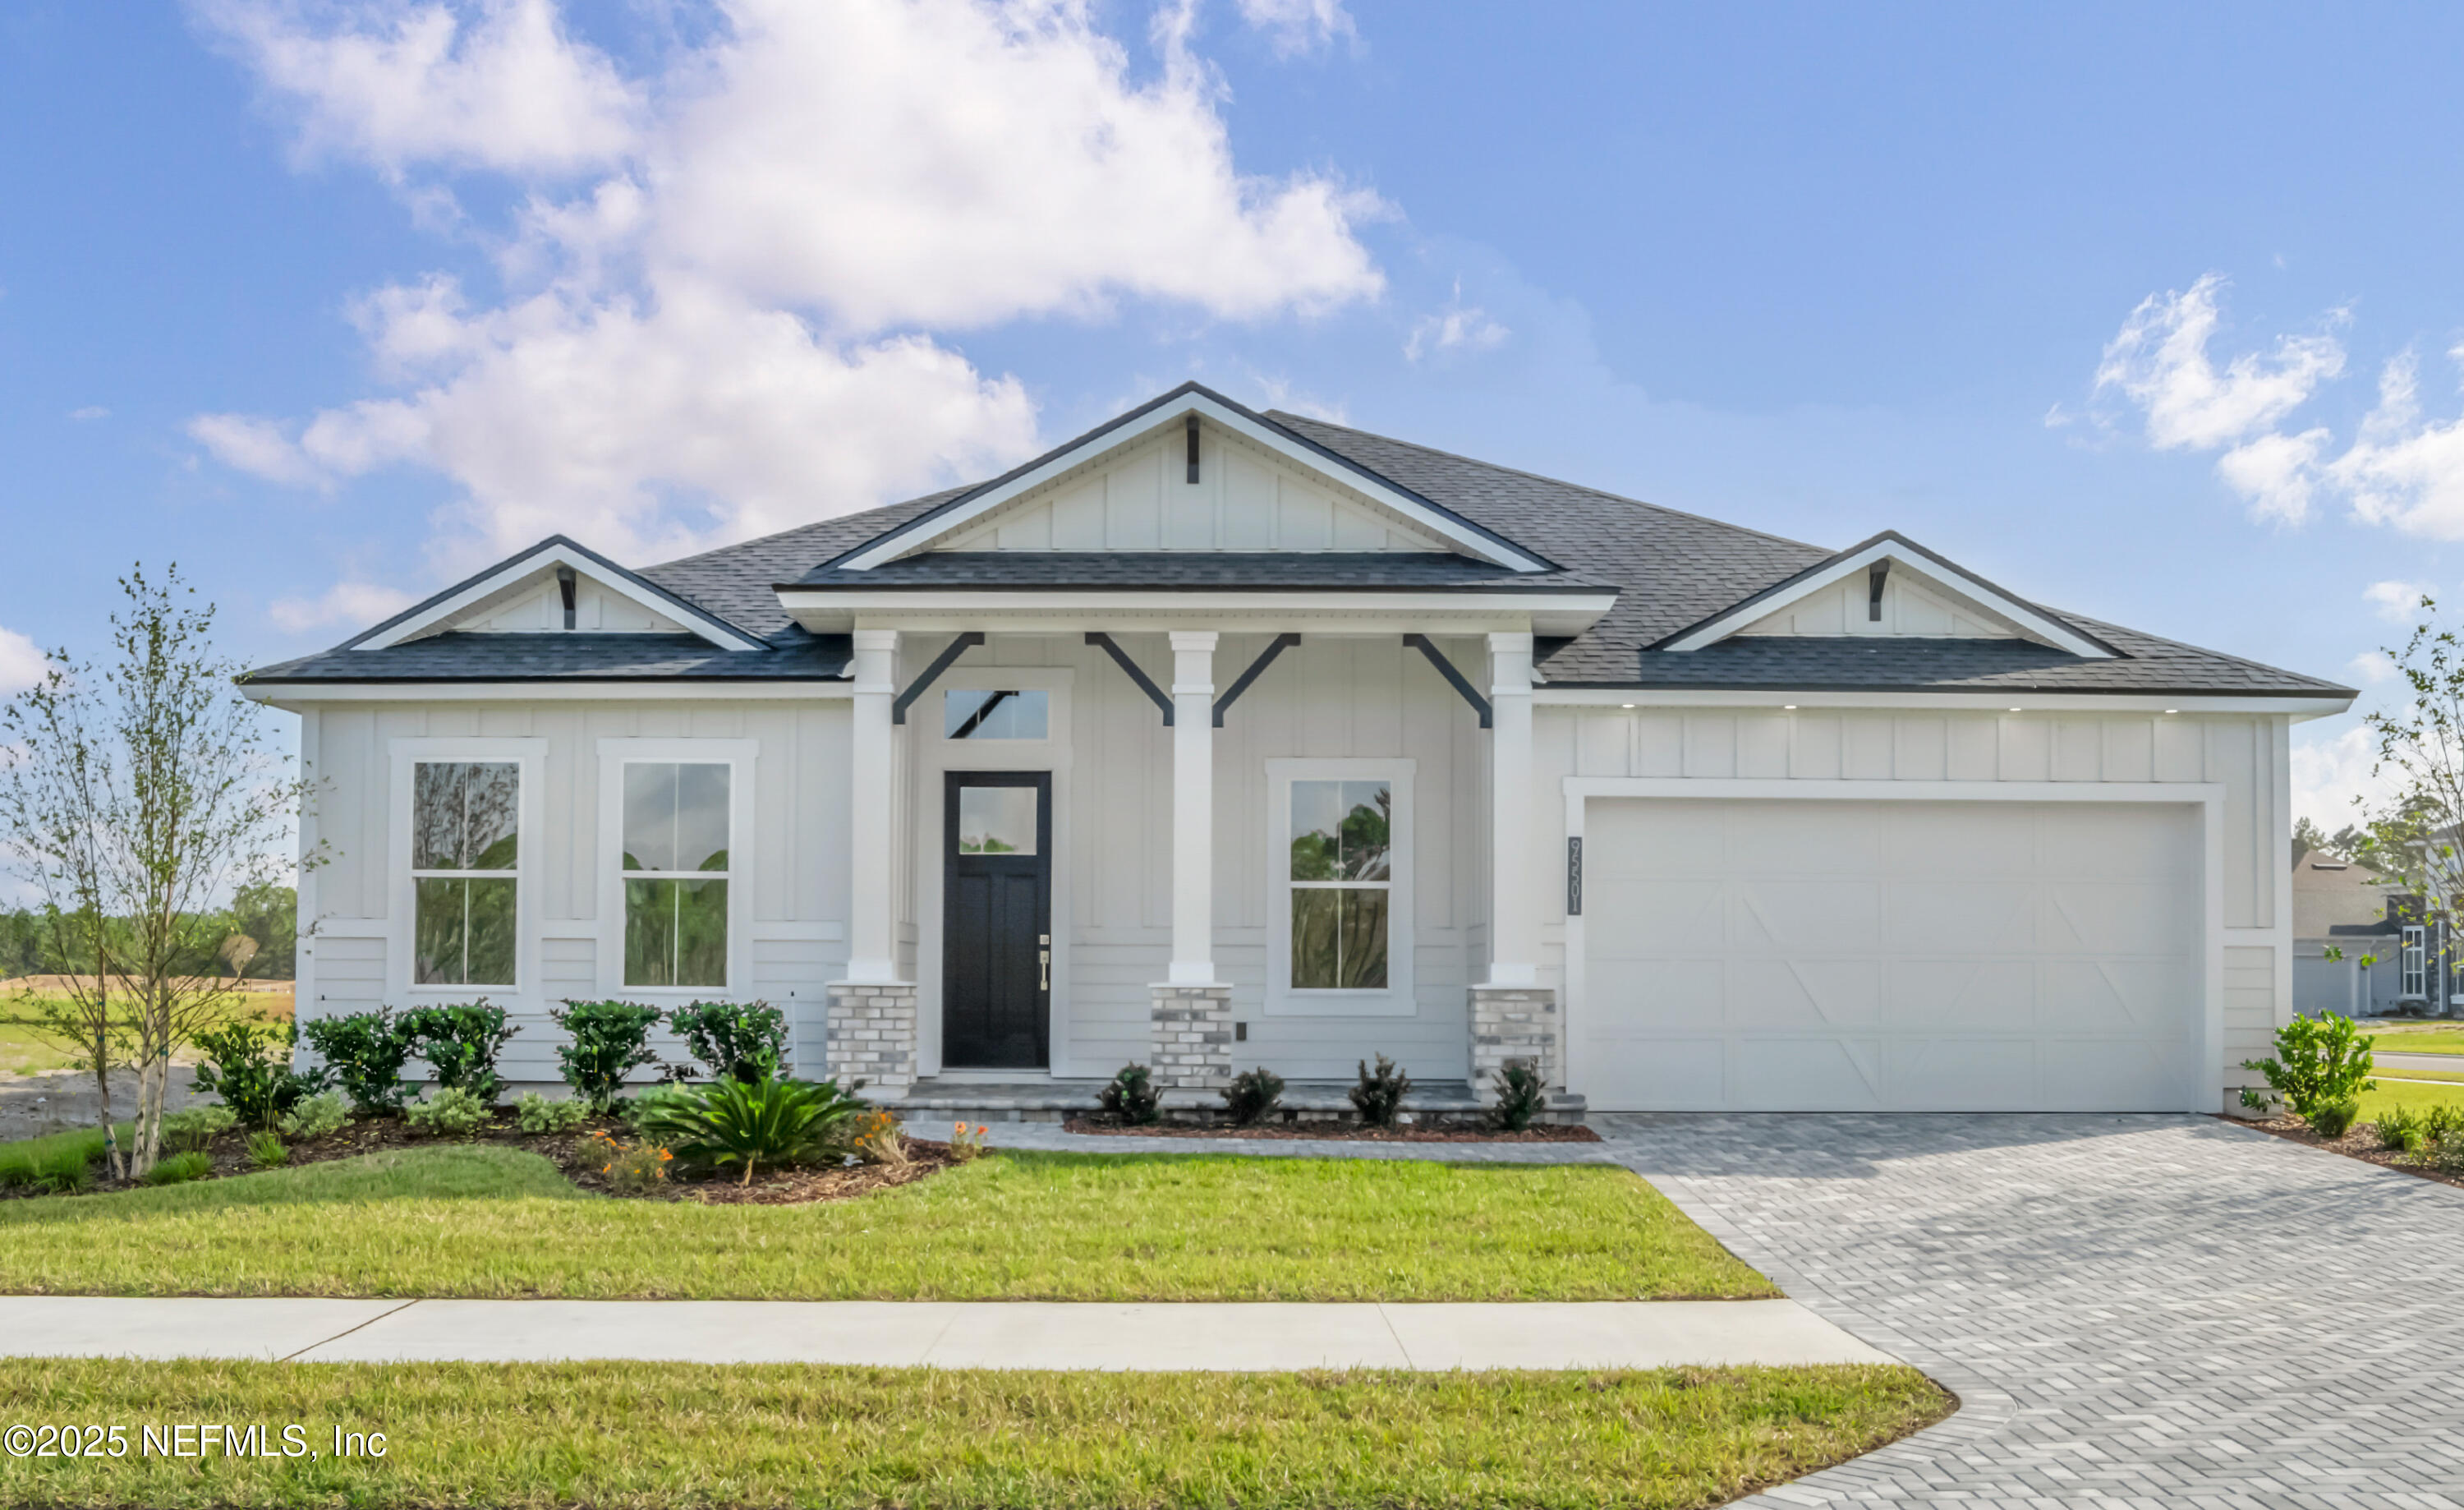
x=1813, y=955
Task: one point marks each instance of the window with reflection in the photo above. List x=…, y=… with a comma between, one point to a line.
x=1342, y=877
x=465, y=822
x=995, y=715
x=676, y=866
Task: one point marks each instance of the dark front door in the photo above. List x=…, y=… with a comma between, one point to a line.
x=997, y=919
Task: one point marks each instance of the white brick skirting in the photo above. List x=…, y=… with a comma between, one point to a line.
x=1192, y=1037
x=1512, y=1022
x=871, y=1037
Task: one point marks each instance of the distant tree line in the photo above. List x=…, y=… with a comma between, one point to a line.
x=265, y=915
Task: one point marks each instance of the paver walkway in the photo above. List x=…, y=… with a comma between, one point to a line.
x=2135, y=1311
x=1633, y=1334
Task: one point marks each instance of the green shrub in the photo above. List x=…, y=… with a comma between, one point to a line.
x=768, y=1122
x=2442, y=1136
x=1132, y=1097
x=2333, y=1119
x=2400, y=1128
x=449, y=1113
x=534, y=1113
x=62, y=1169
x=1378, y=1098
x=265, y=1151
x=2321, y=1058
x=16, y=1168
x=605, y=1041
x=196, y=1126
x=180, y=1168
x=1252, y=1094
x=319, y=1116
x=365, y=1051
x=1522, y=1094
x=248, y=1064
x=640, y=1108
x=742, y=1041
x=461, y=1044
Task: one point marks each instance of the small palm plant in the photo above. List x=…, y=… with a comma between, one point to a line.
x=769, y=1120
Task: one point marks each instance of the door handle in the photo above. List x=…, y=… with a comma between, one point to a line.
x=1043, y=969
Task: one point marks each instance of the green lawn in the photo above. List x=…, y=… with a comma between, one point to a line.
x=2399, y=1093
x=23, y=1050
x=642, y=1434
x=2426, y=1040
x=480, y=1220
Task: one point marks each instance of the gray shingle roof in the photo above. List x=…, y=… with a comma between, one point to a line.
x=1351, y=570
x=1670, y=570
x=577, y=658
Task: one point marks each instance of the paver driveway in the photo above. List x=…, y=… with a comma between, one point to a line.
x=2134, y=1310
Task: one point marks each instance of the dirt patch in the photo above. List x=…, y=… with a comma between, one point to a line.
x=1435, y=1130
x=582, y=1157
x=2362, y=1143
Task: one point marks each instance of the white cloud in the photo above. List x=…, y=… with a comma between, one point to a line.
x=2278, y=473
x=2329, y=772
x=2396, y=602
x=2371, y=668
x=2160, y=362
x=90, y=412
x=742, y=321
x=1459, y=327
x=2403, y=470
x=21, y=663
x=355, y=605
x=395, y=84
x=1297, y=27
x=256, y=445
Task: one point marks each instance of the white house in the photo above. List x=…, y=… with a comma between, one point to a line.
x=1215, y=737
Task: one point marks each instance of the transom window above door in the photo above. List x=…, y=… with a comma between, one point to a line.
x=1342, y=876
x=997, y=715
x=465, y=842
x=677, y=822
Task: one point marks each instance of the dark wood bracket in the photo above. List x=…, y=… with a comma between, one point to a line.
x=933, y=672
x=1454, y=678
x=566, y=586
x=1876, y=575
x=1121, y=658
x=1265, y=658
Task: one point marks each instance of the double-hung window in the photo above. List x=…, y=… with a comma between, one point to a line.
x=2416, y=961
x=465, y=834
x=1341, y=853
x=677, y=822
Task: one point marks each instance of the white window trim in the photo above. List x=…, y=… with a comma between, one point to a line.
x=1396, y=999
x=530, y=756
x=2416, y=962
x=739, y=756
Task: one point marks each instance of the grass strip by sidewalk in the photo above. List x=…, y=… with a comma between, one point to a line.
x=481, y=1221
x=679, y=1434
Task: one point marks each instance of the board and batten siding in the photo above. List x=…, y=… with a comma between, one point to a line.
x=790, y=850
x=2245, y=754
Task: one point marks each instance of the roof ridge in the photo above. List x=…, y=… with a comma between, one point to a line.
x=924, y=500
x=1286, y=416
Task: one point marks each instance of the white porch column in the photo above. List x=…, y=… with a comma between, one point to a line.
x=872, y=948
x=1514, y=899
x=1192, y=808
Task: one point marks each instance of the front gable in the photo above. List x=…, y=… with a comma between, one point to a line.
x=1889, y=586
x=1139, y=496
x=558, y=586
x=1191, y=471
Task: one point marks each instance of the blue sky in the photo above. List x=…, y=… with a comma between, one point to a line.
x=332, y=302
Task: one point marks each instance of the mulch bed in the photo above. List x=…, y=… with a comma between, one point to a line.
x=581, y=1157
x=2361, y=1142
x=1435, y=1130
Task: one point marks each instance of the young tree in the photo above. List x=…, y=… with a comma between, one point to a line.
x=2413, y=840
x=134, y=800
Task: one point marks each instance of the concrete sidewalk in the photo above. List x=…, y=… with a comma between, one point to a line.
x=990, y=1334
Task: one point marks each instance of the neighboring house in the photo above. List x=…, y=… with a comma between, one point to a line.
x=2343, y=906
x=1215, y=737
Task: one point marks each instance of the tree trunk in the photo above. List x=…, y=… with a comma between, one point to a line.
x=103, y=1099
